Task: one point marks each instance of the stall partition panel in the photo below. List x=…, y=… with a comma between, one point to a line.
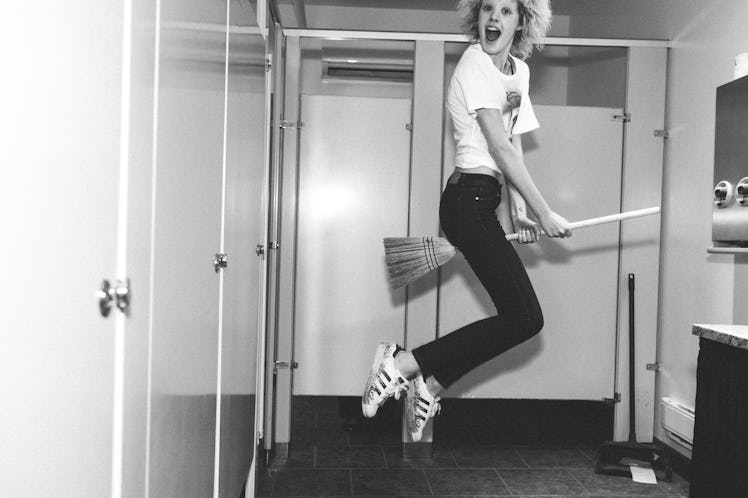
x=243, y=231
x=575, y=159
x=186, y=237
x=353, y=190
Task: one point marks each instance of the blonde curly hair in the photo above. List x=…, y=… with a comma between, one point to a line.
x=535, y=18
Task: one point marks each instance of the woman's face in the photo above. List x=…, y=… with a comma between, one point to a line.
x=498, y=21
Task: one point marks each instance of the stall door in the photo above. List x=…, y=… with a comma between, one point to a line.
x=187, y=235
x=72, y=142
x=243, y=230
x=575, y=159
x=353, y=188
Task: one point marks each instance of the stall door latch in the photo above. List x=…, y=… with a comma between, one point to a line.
x=277, y=365
x=109, y=296
x=220, y=261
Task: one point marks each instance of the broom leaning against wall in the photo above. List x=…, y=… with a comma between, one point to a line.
x=490, y=108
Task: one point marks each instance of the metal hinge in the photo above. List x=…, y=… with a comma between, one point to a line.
x=655, y=367
x=220, y=261
x=118, y=296
x=615, y=399
x=268, y=62
x=291, y=124
x=409, y=126
x=625, y=117
x=277, y=365
x=259, y=249
x=662, y=133
x=274, y=245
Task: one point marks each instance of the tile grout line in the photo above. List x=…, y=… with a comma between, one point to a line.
x=578, y=482
x=508, y=489
x=428, y=482
x=522, y=458
x=350, y=479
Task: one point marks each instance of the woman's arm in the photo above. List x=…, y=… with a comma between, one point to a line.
x=510, y=160
x=528, y=230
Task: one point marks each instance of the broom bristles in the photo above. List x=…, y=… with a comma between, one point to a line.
x=410, y=258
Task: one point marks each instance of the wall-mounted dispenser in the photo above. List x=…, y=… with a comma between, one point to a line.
x=730, y=201
x=741, y=192
x=723, y=194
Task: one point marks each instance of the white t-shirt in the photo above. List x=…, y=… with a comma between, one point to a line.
x=478, y=84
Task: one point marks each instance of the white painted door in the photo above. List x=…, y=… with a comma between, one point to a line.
x=353, y=188
x=187, y=236
x=575, y=159
x=65, y=155
x=244, y=215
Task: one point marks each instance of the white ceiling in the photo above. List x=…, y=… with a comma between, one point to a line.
x=411, y=15
x=642, y=19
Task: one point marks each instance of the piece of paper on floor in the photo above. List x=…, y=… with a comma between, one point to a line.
x=643, y=475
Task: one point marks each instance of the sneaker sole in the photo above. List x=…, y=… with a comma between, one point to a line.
x=366, y=409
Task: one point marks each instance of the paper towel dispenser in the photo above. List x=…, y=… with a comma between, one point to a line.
x=730, y=191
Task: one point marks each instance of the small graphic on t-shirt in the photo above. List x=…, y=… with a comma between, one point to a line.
x=514, y=99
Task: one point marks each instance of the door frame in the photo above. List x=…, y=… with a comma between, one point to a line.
x=641, y=186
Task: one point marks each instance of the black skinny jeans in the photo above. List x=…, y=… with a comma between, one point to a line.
x=467, y=214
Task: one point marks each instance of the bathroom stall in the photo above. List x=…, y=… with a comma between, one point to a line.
x=132, y=367
x=368, y=158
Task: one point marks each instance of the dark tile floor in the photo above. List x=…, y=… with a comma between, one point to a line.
x=335, y=452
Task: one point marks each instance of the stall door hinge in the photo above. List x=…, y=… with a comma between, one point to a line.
x=110, y=296
x=409, y=126
x=268, y=62
x=655, y=367
x=277, y=365
x=625, y=117
x=220, y=261
x=291, y=124
x=662, y=133
x=615, y=399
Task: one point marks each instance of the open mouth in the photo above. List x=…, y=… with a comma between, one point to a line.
x=492, y=34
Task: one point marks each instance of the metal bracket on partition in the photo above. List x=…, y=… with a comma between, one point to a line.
x=291, y=124
x=277, y=365
x=625, y=117
x=662, y=133
x=615, y=399
x=655, y=367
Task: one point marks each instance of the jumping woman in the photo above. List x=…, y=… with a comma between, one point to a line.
x=490, y=108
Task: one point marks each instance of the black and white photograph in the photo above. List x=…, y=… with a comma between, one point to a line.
x=374, y=248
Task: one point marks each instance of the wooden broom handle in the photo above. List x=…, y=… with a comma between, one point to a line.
x=603, y=219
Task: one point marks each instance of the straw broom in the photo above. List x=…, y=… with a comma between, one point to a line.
x=410, y=258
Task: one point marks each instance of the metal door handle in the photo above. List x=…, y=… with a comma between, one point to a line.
x=109, y=296
x=220, y=261
x=105, y=296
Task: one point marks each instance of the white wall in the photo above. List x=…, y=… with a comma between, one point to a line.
x=694, y=286
x=706, y=37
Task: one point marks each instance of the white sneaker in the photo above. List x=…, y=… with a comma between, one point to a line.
x=421, y=406
x=384, y=381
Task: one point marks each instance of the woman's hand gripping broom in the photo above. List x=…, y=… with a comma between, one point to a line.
x=409, y=258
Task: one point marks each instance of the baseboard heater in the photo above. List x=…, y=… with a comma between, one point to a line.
x=677, y=420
